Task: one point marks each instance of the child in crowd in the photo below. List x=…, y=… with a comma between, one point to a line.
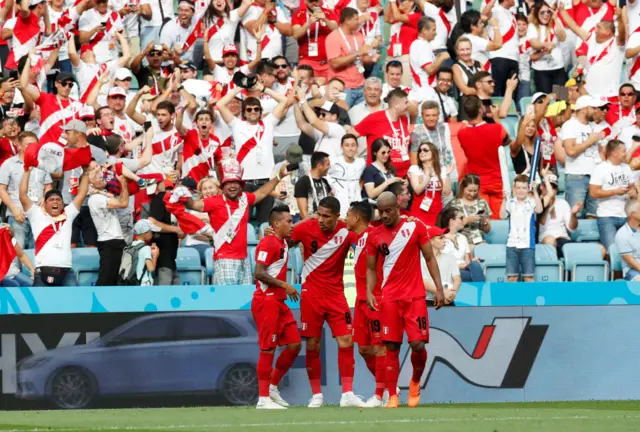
x=148, y=252
x=521, y=243
x=448, y=265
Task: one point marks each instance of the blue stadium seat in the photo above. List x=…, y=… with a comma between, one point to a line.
x=584, y=262
x=497, y=100
x=252, y=235
x=560, y=181
x=251, y=252
x=189, y=267
x=523, y=104
x=615, y=259
x=587, y=231
x=548, y=267
x=262, y=227
x=208, y=254
x=86, y=263
x=31, y=253
x=511, y=125
x=495, y=261
x=499, y=232
x=294, y=267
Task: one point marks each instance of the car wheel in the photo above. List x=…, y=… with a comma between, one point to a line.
x=240, y=385
x=72, y=388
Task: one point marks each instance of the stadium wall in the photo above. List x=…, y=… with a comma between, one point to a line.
x=476, y=354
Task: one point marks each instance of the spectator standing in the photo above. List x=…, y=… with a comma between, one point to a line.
x=504, y=61
x=628, y=242
x=265, y=13
x=622, y=114
x=464, y=70
x=148, y=253
x=457, y=245
x=433, y=131
x=449, y=272
x=52, y=227
x=476, y=210
x=31, y=21
x=324, y=126
x=310, y=189
x=345, y=174
x=521, y=149
x=98, y=29
x=393, y=74
x=524, y=58
x=153, y=14
x=483, y=159
x=448, y=111
x=381, y=173
x=348, y=53
x=545, y=33
x=206, y=187
x=424, y=64
x=521, y=243
x=11, y=173
x=403, y=18
x=220, y=24
x=557, y=219
x=612, y=185
x=154, y=74
x=372, y=103
x=178, y=34
x=285, y=191
x=166, y=238
x=478, y=46
x=311, y=26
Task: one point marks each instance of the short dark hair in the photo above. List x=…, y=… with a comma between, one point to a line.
x=347, y=13
x=203, y=112
x=307, y=68
x=448, y=215
x=99, y=112
x=336, y=79
x=277, y=211
x=166, y=105
x=330, y=203
x=477, y=77
x=251, y=101
x=346, y=137
x=53, y=192
x=472, y=106
x=113, y=143
x=280, y=57
x=444, y=69
x=265, y=66
x=362, y=209
x=393, y=63
x=469, y=18
x=423, y=23
x=627, y=85
x=26, y=134
x=396, y=93
x=521, y=17
x=318, y=158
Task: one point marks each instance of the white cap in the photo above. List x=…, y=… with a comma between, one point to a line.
x=586, y=101
x=599, y=101
x=117, y=91
x=122, y=74
x=86, y=111
x=537, y=96
x=35, y=2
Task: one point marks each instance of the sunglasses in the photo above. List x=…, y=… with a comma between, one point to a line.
x=126, y=79
x=394, y=63
x=490, y=82
x=253, y=109
x=546, y=12
x=155, y=54
x=281, y=66
x=627, y=94
x=424, y=150
x=67, y=84
x=384, y=152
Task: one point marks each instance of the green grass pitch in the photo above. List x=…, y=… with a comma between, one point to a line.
x=520, y=417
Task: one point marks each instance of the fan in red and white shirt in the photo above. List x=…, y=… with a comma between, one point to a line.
x=404, y=30
x=98, y=29
x=633, y=58
x=311, y=26
x=589, y=13
x=622, y=114
x=201, y=151
x=443, y=25
x=263, y=12
x=28, y=30
x=504, y=61
x=370, y=19
x=167, y=143
x=604, y=54
x=220, y=25
x=424, y=64
x=122, y=124
x=231, y=61
x=180, y=33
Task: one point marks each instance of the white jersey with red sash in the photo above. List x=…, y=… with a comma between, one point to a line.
x=200, y=156
x=27, y=34
x=102, y=43
x=254, y=146
x=52, y=237
x=548, y=136
x=88, y=75
x=604, y=63
x=55, y=112
x=372, y=28
x=443, y=26
x=507, y=25
x=633, y=64
x=166, y=147
x=271, y=41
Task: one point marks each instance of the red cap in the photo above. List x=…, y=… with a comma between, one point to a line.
x=436, y=232
x=229, y=49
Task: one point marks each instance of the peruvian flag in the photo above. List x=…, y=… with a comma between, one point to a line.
x=7, y=251
x=55, y=158
x=26, y=35
x=188, y=223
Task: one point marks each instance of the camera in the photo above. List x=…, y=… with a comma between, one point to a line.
x=245, y=81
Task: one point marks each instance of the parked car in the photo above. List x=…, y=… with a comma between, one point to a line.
x=157, y=355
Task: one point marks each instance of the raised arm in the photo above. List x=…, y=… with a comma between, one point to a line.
x=226, y=114
x=302, y=123
x=24, y=191
x=26, y=88
x=572, y=25
x=131, y=108
x=122, y=202
x=126, y=50
x=268, y=187
x=83, y=189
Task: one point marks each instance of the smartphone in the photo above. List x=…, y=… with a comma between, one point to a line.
x=561, y=92
x=104, y=24
x=13, y=75
x=487, y=102
x=480, y=212
x=636, y=137
x=147, y=125
x=292, y=167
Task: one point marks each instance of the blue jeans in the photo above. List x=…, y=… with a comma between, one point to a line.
x=21, y=232
x=472, y=273
x=147, y=35
x=632, y=275
x=354, y=96
x=19, y=280
x=608, y=227
x=576, y=189
x=521, y=262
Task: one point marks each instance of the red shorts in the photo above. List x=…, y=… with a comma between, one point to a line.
x=275, y=322
x=320, y=68
x=366, y=325
x=315, y=311
x=407, y=315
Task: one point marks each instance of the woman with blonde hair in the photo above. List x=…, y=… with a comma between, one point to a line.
x=207, y=187
x=429, y=184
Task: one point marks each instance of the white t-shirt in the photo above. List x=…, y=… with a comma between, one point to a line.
x=258, y=162
x=610, y=177
x=442, y=33
x=583, y=163
x=274, y=46
x=550, y=61
x=221, y=73
x=288, y=126
x=174, y=35
x=56, y=252
x=225, y=31
x=448, y=267
x=522, y=225
x=129, y=21
x=86, y=72
x=633, y=15
x=507, y=26
x=603, y=73
x=156, y=14
x=330, y=143
x=104, y=218
x=524, y=61
x=633, y=42
x=421, y=55
x=144, y=255
x=106, y=48
x=126, y=127
x=479, y=50
x=344, y=178
x=461, y=251
x=559, y=225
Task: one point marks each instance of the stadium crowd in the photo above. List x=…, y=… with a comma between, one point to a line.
x=137, y=127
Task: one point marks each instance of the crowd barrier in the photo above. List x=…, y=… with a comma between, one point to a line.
x=165, y=344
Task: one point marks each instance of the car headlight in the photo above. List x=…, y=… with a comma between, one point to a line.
x=33, y=362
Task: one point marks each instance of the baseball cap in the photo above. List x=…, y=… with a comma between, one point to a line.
x=144, y=226
x=537, y=96
x=35, y=2
x=571, y=82
x=436, y=232
x=64, y=76
x=586, y=101
x=600, y=101
x=556, y=108
x=117, y=91
x=188, y=65
x=123, y=74
x=294, y=154
x=87, y=112
x=330, y=107
x=75, y=125
x=229, y=49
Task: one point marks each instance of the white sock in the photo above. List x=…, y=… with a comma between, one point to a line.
x=273, y=387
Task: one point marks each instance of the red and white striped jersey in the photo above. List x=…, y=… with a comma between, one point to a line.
x=55, y=112
x=27, y=33
x=421, y=56
x=166, y=146
x=274, y=254
x=103, y=44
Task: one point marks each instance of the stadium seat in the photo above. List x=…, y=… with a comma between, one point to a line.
x=294, y=265
x=495, y=259
x=263, y=226
x=499, y=232
x=587, y=231
x=497, y=100
x=208, y=254
x=252, y=236
x=511, y=125
x=615, y=259
x=548, y=267
x=523, y=104
x=560, y=181
x=189, y=267
x=584, y=262
x=251, y=252
x=86, y=264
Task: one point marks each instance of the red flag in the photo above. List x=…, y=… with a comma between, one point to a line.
x=7, y=252
x=188, y=223
x=54, y=158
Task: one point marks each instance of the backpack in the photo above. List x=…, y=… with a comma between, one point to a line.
x=127, y=274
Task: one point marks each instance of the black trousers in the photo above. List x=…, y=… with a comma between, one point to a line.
x=263, y=208
x=545, y=80
x=502, y=69
x=110, y=257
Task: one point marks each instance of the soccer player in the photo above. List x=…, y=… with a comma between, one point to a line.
x=274, y=320
x=366, y=322
x=397, y=243
x=326, y=242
